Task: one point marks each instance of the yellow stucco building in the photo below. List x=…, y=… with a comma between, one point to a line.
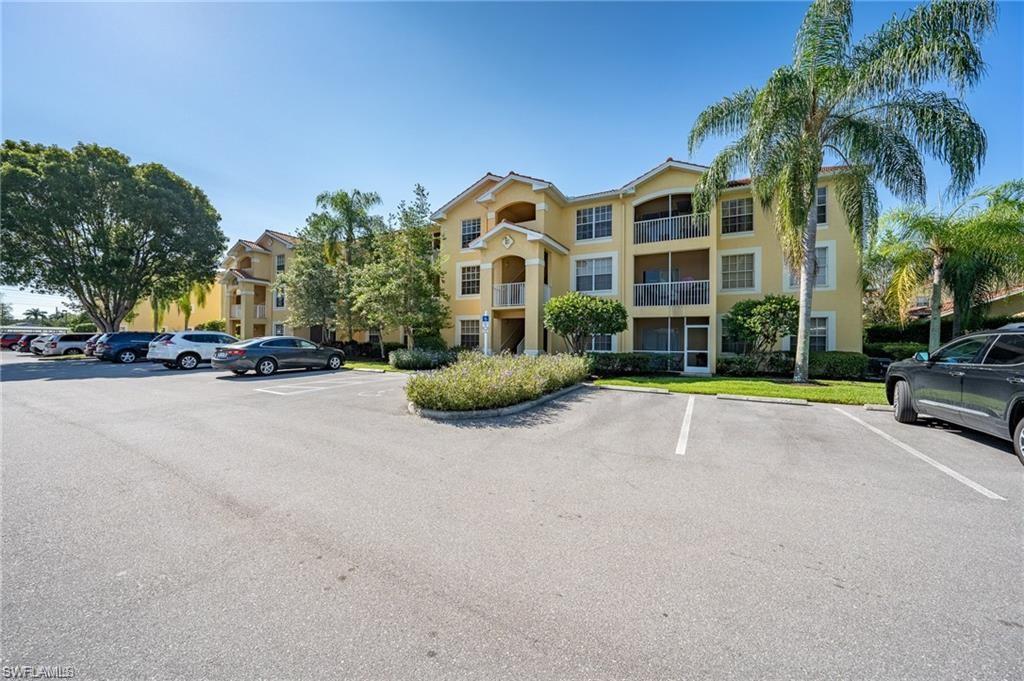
x=512, y=242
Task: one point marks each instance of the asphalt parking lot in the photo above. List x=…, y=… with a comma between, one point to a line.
x=164, y=524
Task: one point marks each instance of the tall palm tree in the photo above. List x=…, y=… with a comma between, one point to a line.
x=343, y=219
x=160, y=305
x=972, y=249
x=197, y=292
x=861, y=105
x=35, y=314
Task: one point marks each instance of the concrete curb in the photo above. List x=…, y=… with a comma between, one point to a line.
x=633, y=389
x=372, y=371
x=769, y=400
x=438, y=415
x=878, y=407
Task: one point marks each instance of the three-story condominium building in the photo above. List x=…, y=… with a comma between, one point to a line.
x=514, y=241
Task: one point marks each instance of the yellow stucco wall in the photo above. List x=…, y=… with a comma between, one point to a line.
x=173, y=319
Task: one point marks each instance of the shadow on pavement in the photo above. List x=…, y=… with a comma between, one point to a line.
x=549, y=412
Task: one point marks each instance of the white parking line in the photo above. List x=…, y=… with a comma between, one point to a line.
x=684, y=430
x=302, y=387
x=927, y=459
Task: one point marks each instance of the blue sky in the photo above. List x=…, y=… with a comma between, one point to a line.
x=266, y=105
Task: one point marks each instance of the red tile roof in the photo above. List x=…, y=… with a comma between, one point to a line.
x=742, y=182
x=248, y=277
x=290, y=238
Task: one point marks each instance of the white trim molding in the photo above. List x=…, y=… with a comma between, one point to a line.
x=753, y=250
x=830, y=270
x=614, y=255
x=830, y=331
x=481, y=241
x=459, y=266
x=661, y=192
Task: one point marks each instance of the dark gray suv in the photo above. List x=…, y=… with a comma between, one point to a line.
x=975, y=381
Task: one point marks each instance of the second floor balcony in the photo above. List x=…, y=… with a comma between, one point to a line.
x=672, y=279
x=670, y=228
x=509, y=295
x=694, y=292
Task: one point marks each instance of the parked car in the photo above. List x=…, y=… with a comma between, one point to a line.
x=975, y=381
x=124, y=346
x=8, y=340
x=187, y=349
x=66, y=344
x=23, y=343
x=37, y=344
x=268, y=354
x=90, y=345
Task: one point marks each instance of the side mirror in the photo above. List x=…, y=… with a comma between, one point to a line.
x=921, y=356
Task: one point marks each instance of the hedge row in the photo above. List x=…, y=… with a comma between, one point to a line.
x=833, y=364
x=893, y=350
x=418, y=359
x=917, y=332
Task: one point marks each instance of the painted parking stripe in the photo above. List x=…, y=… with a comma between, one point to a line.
x=981, y=489
x=303, y=387
x=684, y=430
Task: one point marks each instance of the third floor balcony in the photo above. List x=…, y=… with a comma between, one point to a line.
x=668, y=218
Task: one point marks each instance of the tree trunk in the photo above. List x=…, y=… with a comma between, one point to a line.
x=958, y=318
x=935, y=327
x=187, y=316
x=808, y=273
x=380, y=341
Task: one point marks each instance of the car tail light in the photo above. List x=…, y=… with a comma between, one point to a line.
x=52, y=344
x=236, y=352
x=168, y=341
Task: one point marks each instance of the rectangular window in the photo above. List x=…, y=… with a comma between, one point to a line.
x=594, y=223
x=600, y=342
x=280, y=263
x=594, y=274
x=818, y=335
x=820, y=270
x=373, y=336
x=278, y=329
x=435, y=241
x=279, y=298
x=821, y=204
x=737, y=216
x=738, y=272
x=469, y=333
x=469, y=280
x=470, y=231
x=733, y=344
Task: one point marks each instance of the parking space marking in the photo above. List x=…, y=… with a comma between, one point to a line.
x=684, y=429
x=303, y=387
x=981, y=489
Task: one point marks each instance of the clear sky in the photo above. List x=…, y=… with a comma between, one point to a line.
x=266, y=105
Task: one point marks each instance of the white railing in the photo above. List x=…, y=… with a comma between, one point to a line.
x=510, y=295
x=261, y=311
x=236, y=311
x=672, y=293
x=667, y=229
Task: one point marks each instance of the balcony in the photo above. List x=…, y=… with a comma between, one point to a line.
x=672, y=293
x=236, y=311
x=509, y=295
x=690, y=226
x=261, y=311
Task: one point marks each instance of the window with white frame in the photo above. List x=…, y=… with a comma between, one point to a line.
x=820, y=270
x=469, y=333
x=600, y=342
x=470, y=231
x=817, y=335
x=737, y=216
x=279, y=262
x=821, y=205
x=738, y=272
x=278, y=329
x=469, y=280
x=373, y=336
x=594, y=223
x=732, y=343
x=279, y=298
x=594, y=274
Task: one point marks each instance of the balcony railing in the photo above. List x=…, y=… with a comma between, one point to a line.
x=236, y=311
x=672, y=293
x=261, y=311
x=509, y=295
x=675, y=227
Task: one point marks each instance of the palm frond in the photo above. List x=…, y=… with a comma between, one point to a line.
x=893, y=158
x=858, y=199
x=824, y=36
x=728, y=116
x=713, y=180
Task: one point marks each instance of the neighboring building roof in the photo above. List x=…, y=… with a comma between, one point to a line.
x=287, y=239
x=920, y=311
x=531, y=235
x=242, y=276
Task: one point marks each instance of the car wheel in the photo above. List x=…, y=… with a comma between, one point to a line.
x=266, y=366
x=1018, y=439
x=188, y=360
x=126, y=356
x=334, y=362
x=239, y=372
x=902, y=406
x=71, y=351
x=170, y=365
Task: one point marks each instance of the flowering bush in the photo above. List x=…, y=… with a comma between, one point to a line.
x=479, y=382
x=420, y=359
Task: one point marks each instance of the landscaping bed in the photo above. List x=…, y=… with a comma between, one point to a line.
x=476, y=382
x=831, y=391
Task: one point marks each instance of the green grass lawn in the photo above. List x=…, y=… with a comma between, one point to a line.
x=835, y=392
x=369, y=364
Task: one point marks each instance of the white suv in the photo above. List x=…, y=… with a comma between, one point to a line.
x=186, y=349
x=66, y=344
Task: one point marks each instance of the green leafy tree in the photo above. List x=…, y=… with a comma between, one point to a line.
x=969, y=251
x=194, y=296
x=400, y=285
x=312, y=284
x=761, y=323
x=576, y=317
x=343, y=226
x=213, y=325
x=860, y=104
x=6, y=313
x=88, y=224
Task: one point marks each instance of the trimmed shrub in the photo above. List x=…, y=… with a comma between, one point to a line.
x=836, y=364
x=417, y=359
x=893, y=350
x=479, y=382
x=388, y=349
x=432, y=342
x=772, y=364
x=619, y=363
x=213, y=325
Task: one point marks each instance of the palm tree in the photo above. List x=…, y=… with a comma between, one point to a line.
x=861, y=105
x=344, y=218
x=35, y=314
x=976, y=247
x=160, y=306
x=197, y=292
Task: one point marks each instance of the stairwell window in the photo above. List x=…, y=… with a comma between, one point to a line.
x=738, y=272
x=469, y=280
x=594, y=223
x=594, y=275
x=737, y=216
x=821, y=204
x=279, y=263
x=470, y=231
x=469, y=333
